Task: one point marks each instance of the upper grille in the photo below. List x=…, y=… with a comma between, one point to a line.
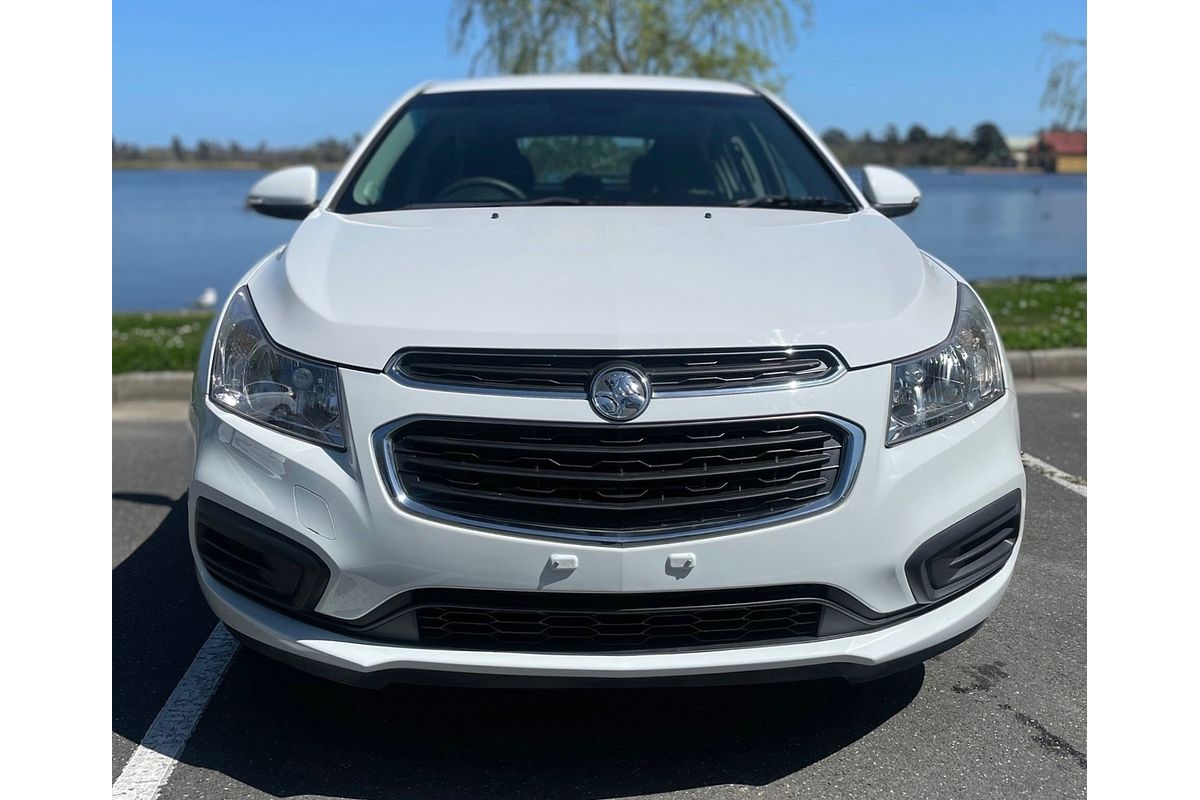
x=570, y=372
x=621, y=483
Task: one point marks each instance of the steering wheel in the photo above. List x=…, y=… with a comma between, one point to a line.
x=509, y=191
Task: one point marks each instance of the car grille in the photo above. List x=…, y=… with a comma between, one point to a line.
x=566, y=372
x=583, y=630
x=621, y=483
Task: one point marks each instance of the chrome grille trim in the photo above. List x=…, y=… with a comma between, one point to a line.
x=567, y=373
x=849, y=458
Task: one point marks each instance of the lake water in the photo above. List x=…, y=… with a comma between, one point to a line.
x=177, y=233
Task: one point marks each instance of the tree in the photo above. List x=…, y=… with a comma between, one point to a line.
x=1066, y=85
x=891, y=145
x=125, y=151
x=988, y=145
x=917, y=135
x=729, y=39
x=177, y=151
x=835, y=137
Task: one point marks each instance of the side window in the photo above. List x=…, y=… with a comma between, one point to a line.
x=369, y=186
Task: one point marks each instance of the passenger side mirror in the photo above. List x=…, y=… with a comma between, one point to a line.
x=287, y=193
x=889, y=192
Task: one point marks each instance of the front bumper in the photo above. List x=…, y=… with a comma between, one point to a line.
x=376, y=550
x=857, y=657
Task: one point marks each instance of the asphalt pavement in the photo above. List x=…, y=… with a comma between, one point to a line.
x=1004, y=715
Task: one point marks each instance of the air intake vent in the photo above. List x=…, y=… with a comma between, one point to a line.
x=967, y=552
x=570, y=372
x=580, y=623
x=621, y=483
x=256, y=561
x=597, y=631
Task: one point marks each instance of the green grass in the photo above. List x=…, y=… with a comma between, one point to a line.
x=157, y=341
x=1038, y=314
x=1031, y=315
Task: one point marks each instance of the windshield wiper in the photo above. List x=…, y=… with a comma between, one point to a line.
x=799, y=203
x=556, y=200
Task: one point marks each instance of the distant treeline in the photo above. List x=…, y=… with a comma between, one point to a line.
x=918, y=147
x=328, y=152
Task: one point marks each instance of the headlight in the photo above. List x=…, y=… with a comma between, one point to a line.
x=955, y=379
x=253, y=377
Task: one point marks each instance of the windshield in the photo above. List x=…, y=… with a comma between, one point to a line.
x=594, y=147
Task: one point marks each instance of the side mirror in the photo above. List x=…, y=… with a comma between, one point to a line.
x=287, y=193
x=890, y=192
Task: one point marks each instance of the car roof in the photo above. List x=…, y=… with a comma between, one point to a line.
x=643, y=82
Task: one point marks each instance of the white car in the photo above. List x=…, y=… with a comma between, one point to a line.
x=275, y=399
x=602, y=380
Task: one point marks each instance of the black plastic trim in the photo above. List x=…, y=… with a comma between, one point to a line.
x=983, y=541
x=279, y=554
x=893, y=210
x=282, y=210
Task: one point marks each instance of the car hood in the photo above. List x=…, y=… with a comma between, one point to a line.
x=355, y=289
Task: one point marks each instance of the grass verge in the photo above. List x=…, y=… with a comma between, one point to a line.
x=156, y=341
x=1038, y=314
x=1031, y=315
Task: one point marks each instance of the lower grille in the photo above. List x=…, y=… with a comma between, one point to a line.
x=599, y=631
x=620, y=483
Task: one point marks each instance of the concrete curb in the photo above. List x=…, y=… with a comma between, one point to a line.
x=131, y=386
x=1068, y=362
x=135, y=386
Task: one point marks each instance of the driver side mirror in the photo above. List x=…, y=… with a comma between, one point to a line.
x=287, y=193
x=890, y=193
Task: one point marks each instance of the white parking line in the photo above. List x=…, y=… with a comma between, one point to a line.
x=1064, y=479
x=155, y=758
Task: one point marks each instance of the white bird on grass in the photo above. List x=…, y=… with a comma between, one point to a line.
x=206, y=300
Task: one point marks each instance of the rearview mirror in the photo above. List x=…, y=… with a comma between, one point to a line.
x=287, y=193
x=889, y=192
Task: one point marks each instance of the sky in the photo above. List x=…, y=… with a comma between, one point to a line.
x=293, y=72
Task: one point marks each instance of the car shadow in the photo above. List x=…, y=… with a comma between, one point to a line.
x=145, y=498
x=159, y=620
x=287, y=733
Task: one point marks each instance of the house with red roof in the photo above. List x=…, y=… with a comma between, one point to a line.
x=1060, y=151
